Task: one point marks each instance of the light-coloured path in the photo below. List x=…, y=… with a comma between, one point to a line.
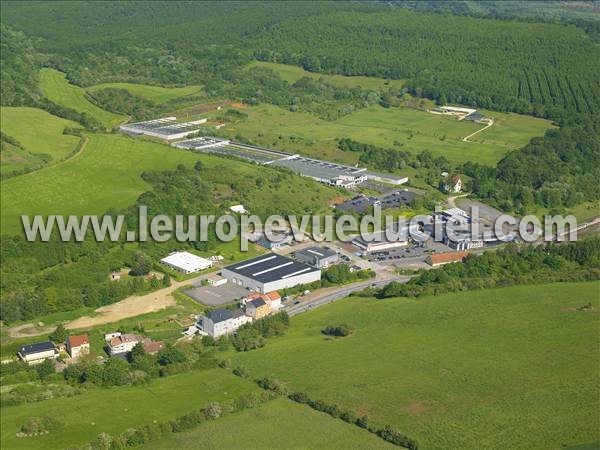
x=490, y=123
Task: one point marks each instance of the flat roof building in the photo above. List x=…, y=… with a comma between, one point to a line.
x=165, y=128
x=186, y=262
x=270, y=272
x=318, y=257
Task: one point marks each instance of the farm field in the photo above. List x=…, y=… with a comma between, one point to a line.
x=55, y=86
x=115, y=410
x=280, y=424
x=293, y=73
x=402, y=128
x=39, y=132
x=459, y=370
x=156, y=94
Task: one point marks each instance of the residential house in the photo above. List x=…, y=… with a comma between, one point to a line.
x=152, y=347
x=123, y=343
x=257, y=309
x=453, y=184
x=221, y=322
x=78, y=345
x=37, y=353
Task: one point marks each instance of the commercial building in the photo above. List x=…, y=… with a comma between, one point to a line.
x=221, y=322
x=270, y=272
x=439, y=259
x=201, y=143
x=186, y=262
x=279, y=240
x=318, y=257
x=216, y=280
x=37, y=353
x=78, y=345
x=377, y=241
x=165, y=128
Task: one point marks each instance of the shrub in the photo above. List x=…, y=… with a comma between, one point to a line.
x=241, y=372
x=299, y=397
x=395, y=437
x=339, y=331
x=213, y=411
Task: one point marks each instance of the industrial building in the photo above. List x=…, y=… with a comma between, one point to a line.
x=165, y=128
x=201, y=143
x=319, y=257
x=270, y=272
x=186, y=262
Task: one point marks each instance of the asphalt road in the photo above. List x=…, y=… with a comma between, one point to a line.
x=338, y=294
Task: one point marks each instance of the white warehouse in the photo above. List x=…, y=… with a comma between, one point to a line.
x=270, y=272
x=186, y=262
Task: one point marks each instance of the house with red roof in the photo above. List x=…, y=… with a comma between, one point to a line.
x=78, y=345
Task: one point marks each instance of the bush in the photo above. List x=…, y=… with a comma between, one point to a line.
x=213, y=411
x=272, y=384
x=339, y=331
x=241, y=372
x=40, y=424
x=395, y=437
x=299, y=397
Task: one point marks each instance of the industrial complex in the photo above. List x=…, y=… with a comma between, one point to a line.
x=166, y=128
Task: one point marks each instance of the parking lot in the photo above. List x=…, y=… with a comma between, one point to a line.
x=217, y=295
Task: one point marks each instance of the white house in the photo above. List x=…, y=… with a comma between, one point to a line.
x=78, y=345
x=123, y=343
x=37, y=353
x=453, y=184
x=186, y=262
x=221, y=322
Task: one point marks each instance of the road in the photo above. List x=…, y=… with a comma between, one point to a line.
x=330, y=295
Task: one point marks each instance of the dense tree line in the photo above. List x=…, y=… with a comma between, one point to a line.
x=535, y=68
x=575, y=261
x=560, y=169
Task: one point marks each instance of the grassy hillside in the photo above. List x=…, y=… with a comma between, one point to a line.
x=294, y=73
x=55, y=86
x=115, y=410
x=39, y=133
x=401, y=128
x=156, y=94
x=107, y=174
x=455, y=371
x=280, y=424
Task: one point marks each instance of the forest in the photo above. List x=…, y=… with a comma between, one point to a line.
x=544, y=69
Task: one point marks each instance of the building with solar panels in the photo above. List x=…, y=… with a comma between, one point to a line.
x=270, y=272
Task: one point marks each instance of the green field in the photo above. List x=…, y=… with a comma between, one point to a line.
x=280, y=424
x=107, y=174
x=401, y=128
x=40, y=133
x=465, y=370
x=156, y=94
x=117, y=409
x=294, y=73
x=56, y=88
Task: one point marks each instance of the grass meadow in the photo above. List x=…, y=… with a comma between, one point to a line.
x=156, y=94
x=56, y=88
x=39, y=132
x=280, y=424
x=115, y=410
x=293, y=73
x=501, y=368
x=401, y=128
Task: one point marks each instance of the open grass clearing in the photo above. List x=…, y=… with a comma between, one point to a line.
x=402, y=128
x=156, y=94
x=116, y=409
x=280, y=424
x=39, y=132
x=55, y=86
x=293, y=73
x=460, y=370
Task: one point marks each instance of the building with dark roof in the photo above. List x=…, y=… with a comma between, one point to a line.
x=36, y=353
x=270, y=272
x=257, y=308
x=318, y=257
x=220, y=322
